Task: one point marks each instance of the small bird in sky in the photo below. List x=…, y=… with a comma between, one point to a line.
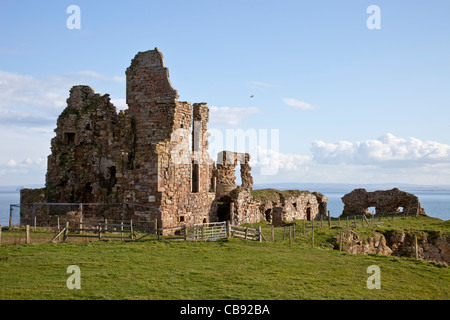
x=251, y=96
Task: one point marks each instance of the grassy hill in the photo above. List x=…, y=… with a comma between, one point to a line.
x=229, y=269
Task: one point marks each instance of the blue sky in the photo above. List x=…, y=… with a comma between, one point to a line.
x=351, y=105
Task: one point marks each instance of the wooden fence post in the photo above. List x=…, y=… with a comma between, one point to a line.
x=184, y=232
x=416, y=248
x=131, y=229
x=99, y=231
x=34, y=216
x=329, y=219
x=10, y=216
x=27, y=234
x=293, y=231
x=321, y=221
x=347, y=223
x=290, y=235
x=259, y=234
x=59, y=226
x=81, y=218
x=273, y=234
x=228, y=229
x=66, y=232
x=246, y=233
x=339, y=222
x=312, y=233
x=284, y=232
x=379, y=244
x=121, y=230
x=356, y=226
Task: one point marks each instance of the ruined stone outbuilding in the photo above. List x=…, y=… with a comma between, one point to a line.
x=385, y=201
x=153, y=154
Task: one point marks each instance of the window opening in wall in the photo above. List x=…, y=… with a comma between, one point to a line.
x=69, y=137
x=237, y=173
x=195, y=181
x=212, y=186
x=112, y=177
x=308, y=214
x=181, y=218
x=371, y=210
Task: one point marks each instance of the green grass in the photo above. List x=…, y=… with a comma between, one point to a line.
x=323, y=235
x=231, y=269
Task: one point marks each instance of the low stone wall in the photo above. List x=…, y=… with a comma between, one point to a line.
x=278, y=206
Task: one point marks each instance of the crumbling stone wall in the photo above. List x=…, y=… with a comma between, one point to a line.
x=299, y=205
x=389, y=201
x=226, y=176
x=277, y=206
x=155, y=153
x=140, y=155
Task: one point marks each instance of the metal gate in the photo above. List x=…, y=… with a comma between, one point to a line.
x=210, y=231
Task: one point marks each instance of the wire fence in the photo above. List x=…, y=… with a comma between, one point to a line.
x=52, y=215
x=43, y=222
x=308, y=230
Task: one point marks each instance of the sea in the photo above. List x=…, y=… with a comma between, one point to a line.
x=435, y=203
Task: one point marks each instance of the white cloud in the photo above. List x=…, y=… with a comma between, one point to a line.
x=33, y=101
x=11, y=163
x=386, y=159
x=230, y=116
x=386, y=151
x=282, y=161
x=298, y=104
x=120, y=104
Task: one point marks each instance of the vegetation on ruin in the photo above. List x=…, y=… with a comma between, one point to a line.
x=229, y=269
x=275, y=195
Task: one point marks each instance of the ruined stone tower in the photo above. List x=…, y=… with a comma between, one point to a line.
x=141, y=155
x=153, y=155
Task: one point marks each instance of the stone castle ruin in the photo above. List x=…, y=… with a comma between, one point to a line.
x=155, y=155
x=384, y=201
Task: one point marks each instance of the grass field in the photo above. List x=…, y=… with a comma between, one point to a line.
x=229, y=269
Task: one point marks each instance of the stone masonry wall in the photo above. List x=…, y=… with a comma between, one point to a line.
x=140, y=155
x=389, y=201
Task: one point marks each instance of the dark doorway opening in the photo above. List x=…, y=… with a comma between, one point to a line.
x=223, y=210
x=268, y=214
x=308, y=214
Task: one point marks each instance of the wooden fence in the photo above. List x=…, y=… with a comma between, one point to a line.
x=127, y=231
x=246, y=233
